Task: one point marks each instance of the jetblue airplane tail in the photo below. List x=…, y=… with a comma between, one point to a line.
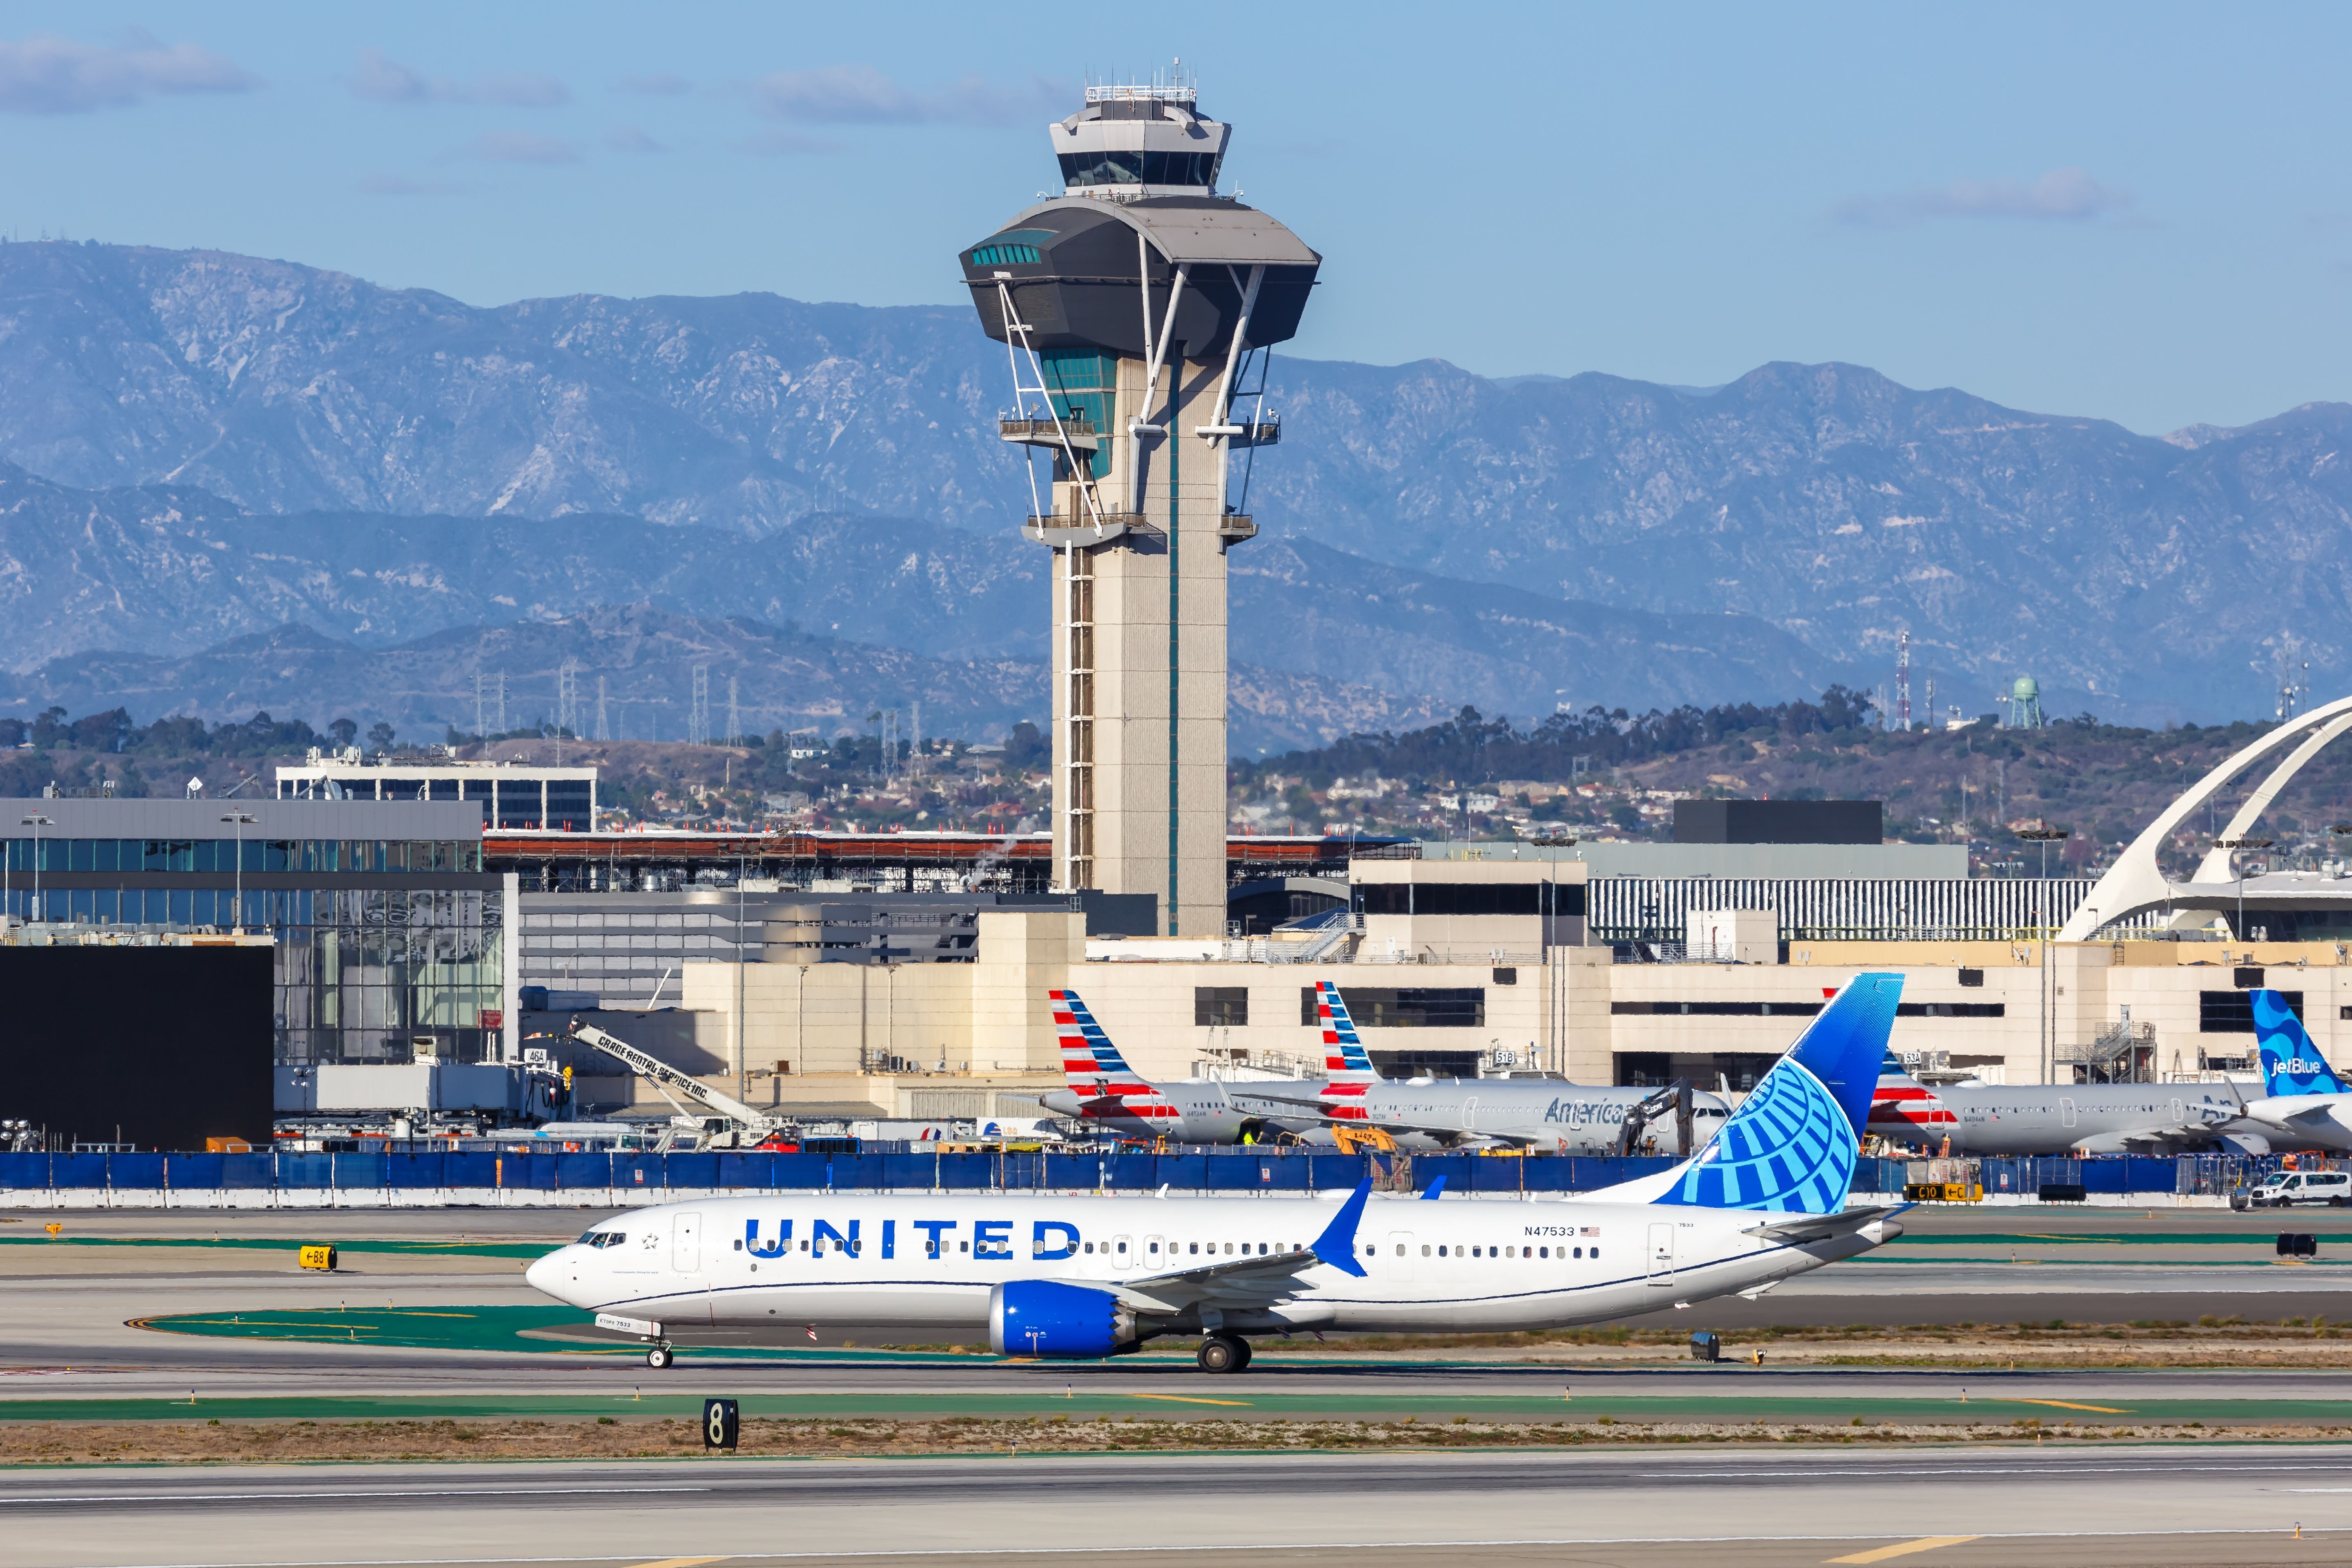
x=1092, y=1063
x=2291, y=1063
x=1791, y=1145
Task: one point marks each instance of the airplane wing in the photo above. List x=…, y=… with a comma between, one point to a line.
x=1822, y=1227
x=1358, y=1117
x=1243, y=1282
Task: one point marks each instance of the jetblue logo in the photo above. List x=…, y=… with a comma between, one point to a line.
x=2303, y=1067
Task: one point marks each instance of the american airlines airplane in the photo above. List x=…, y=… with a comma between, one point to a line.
x=1108, y=1093
x=2062, y=1118
x=1543, y=1114
x=1083, y=1277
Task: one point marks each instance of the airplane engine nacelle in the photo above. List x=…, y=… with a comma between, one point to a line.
x=1044, y=1317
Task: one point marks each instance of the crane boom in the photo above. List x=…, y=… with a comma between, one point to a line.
x=645, y=1064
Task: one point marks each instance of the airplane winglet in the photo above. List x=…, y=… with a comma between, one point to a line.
x=1337, y=1245
x=1435, y=1187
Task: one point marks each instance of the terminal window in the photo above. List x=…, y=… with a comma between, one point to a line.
x=1470, y=898
x=1411, y=1007
x=2233, y=1012
x=1215, y=1006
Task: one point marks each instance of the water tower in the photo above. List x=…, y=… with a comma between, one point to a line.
x=2025, y=703
x=1137, y=310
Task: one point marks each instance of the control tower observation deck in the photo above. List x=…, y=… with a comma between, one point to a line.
x=1136, y=310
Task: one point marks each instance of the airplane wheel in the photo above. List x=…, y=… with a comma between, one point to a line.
x=1222, y=1353
x=1246, y=1352
x=659, y=1357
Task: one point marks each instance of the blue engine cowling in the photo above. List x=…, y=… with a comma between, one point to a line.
x=1044, y=1317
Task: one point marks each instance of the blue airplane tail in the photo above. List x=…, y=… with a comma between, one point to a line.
x=2291, y=1063
x=1792, y=1146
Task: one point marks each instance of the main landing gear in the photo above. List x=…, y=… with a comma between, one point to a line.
x=1223, y=1352
x=659, y=1357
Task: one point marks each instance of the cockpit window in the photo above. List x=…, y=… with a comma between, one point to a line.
x=604, y=1238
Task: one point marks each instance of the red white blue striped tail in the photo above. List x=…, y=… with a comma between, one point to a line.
x=1107, y=1087
x=1346, y=1068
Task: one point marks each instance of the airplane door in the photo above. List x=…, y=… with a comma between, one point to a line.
x=1470, y=1114
x=1122, y=1252
x=686, y=1243
x=1662, y=1254
x=2179, y=1113
x=2066, y=1110
x=1155, y=1256
x=1399, y=1257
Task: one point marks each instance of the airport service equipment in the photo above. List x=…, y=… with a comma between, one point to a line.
x=728, y=1122
x=1084, y=1277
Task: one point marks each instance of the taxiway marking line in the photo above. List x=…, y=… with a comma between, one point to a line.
x=2070, y=1405
x=1905, y=1548
x=681, y=1563
x=1188, y=1399
x=291, y=1496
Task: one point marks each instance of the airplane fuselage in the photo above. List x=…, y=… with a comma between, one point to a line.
x=2057, y=1119
x=1541, y=1113
x=780, y=1265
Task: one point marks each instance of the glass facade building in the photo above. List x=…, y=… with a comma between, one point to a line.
x=388, y=936
x=511, y=794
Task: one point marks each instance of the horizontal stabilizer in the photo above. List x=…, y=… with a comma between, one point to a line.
x=1822, y=1227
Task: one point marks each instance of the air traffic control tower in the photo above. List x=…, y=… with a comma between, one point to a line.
x=1137, y=310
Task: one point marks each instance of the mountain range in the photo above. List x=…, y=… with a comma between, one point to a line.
x=209, y=449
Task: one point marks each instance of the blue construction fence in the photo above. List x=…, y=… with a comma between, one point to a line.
x=432, y=1175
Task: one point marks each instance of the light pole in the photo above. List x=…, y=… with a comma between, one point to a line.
x=2236, y=844
x=36, y=822
x=240, y=818
x=2046, y=1043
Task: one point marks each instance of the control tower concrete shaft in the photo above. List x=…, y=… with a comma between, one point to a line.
x=1135, y=310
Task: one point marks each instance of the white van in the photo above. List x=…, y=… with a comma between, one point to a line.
x=2287, y=1188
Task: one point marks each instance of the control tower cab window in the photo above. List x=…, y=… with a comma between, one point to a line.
x=1110, y=167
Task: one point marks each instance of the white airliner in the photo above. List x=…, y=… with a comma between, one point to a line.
x=1083, y=1277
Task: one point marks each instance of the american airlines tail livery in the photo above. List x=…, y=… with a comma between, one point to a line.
x=1108, y=1093
x=1083, y=1277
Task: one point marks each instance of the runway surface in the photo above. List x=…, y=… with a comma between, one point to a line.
x=1953, y=1508
x=440, y=1292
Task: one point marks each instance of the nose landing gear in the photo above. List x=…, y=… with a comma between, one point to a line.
x=659, y=1357
x=1223, y=1352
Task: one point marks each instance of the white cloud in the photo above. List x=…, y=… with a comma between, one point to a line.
x=386, y=80
x=519, y=147
x=778, y=144
x=2068, y=195
x=49, y=75
x=860, y=95
x=657, y=84
x=631, y=138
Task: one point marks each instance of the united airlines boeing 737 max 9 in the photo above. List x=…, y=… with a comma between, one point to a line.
x=1084, y=1277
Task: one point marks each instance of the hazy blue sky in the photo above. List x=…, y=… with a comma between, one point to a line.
x=2140, y=212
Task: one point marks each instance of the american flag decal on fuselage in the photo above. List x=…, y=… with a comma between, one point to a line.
x=1107, y=1087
